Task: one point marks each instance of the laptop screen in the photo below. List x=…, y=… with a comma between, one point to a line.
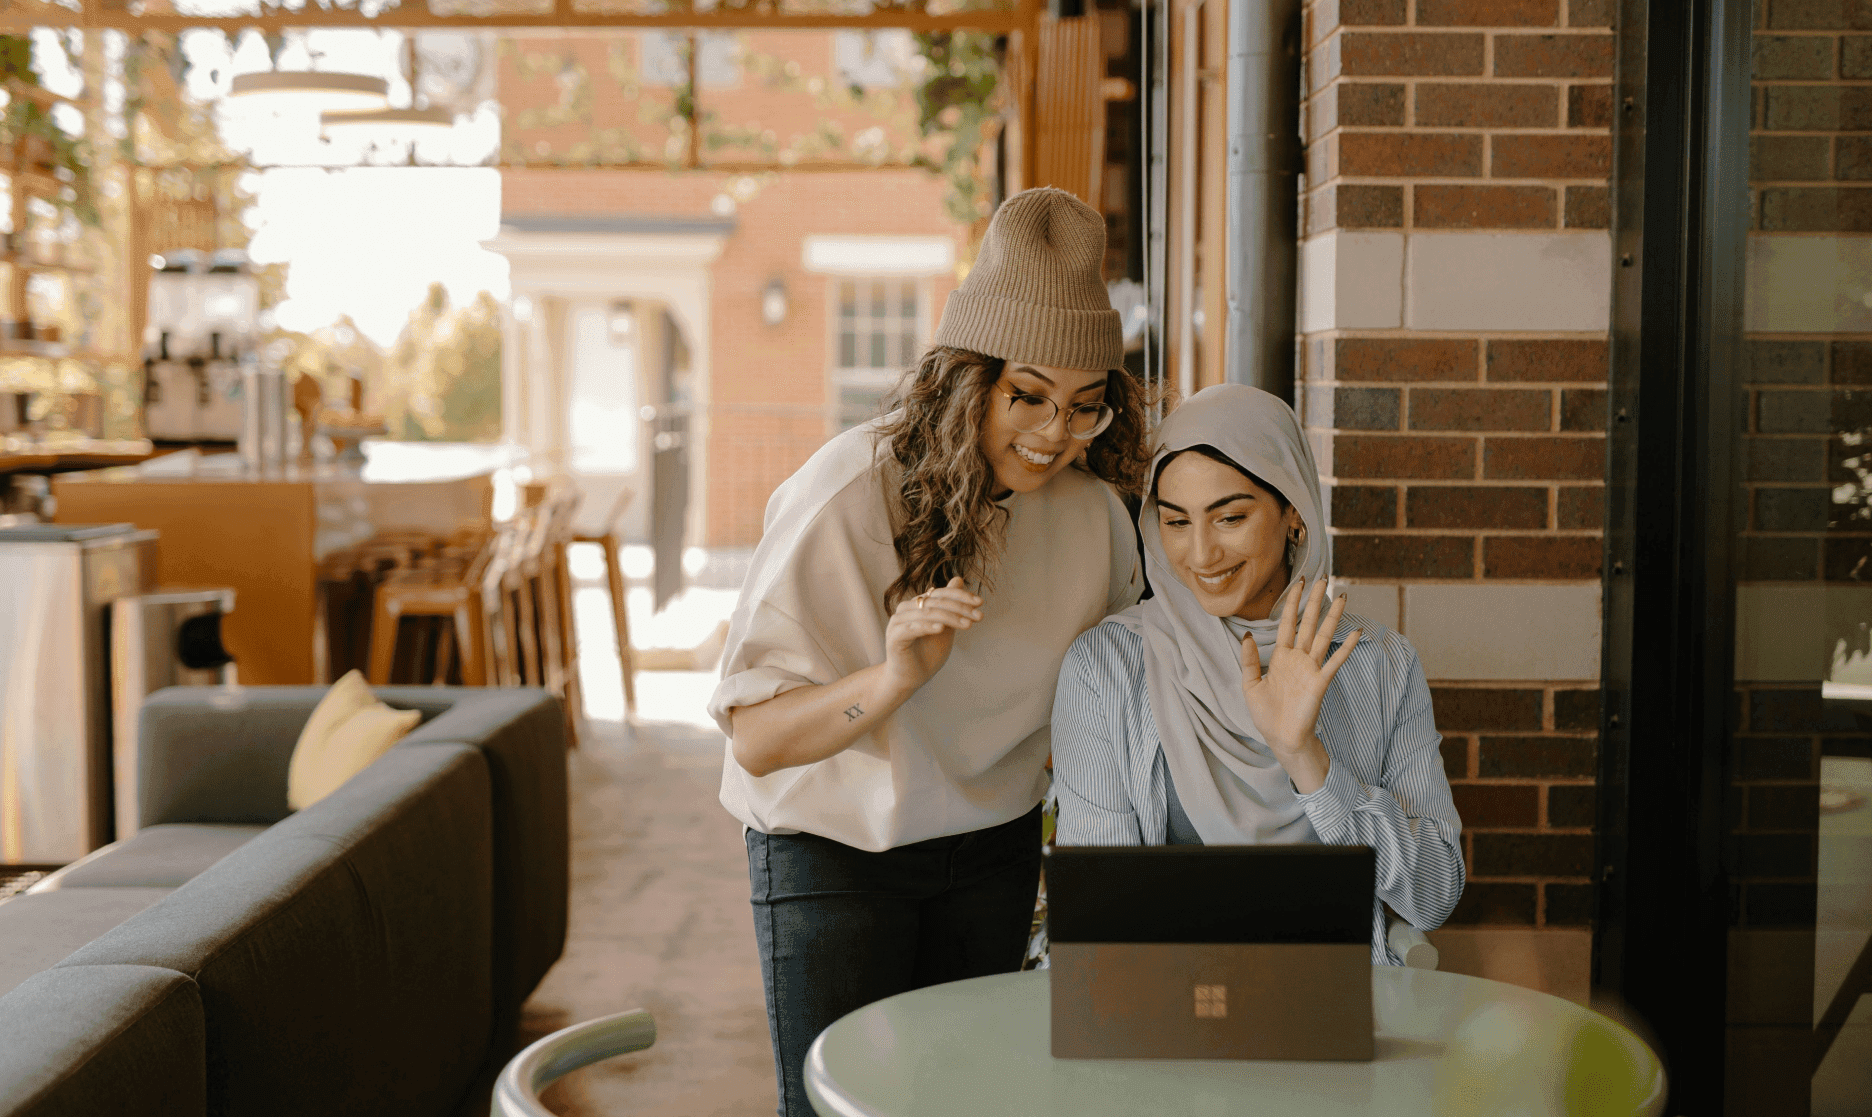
x=1210, y=894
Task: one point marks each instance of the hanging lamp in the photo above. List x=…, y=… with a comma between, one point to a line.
x=311, y=89
x=387, y=123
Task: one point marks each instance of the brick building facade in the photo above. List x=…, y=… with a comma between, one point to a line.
x=1454, y=315
x=837, y=238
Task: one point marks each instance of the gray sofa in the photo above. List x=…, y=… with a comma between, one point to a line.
x=365, y=955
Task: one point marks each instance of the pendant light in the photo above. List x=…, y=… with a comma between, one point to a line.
x=381, y=124
x=308, y=90
x=311, y=89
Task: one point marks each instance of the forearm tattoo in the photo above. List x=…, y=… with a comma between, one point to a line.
x=854, y=713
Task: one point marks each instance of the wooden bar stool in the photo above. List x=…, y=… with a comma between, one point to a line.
x=614, y=581
x=553, y=586
x=535, y=626
x=344, y=594
x=524, y=620
x=443, y=589
x=499, y=616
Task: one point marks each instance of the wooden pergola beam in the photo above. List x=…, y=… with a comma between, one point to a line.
x=21, y=15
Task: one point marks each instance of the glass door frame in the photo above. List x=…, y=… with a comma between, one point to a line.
x=1680, y=222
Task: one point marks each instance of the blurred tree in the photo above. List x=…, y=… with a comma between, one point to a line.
x=330, y=354
x=442, y=378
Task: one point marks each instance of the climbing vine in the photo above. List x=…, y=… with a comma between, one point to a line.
x=938, y=120
x=957, y=99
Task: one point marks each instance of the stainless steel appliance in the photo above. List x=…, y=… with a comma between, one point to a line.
x=202, y=321
x=266, y=436
x=56, y=585
x=166, y=638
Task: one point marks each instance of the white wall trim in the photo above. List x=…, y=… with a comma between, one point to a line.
x=878, y=255
x=672, y=269
x=1808, y=284
x=1509, y=281
x=1499, y=282
x=1483, y=630
x=1351, y=281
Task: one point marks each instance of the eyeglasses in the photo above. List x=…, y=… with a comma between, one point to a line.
x=1028, y=413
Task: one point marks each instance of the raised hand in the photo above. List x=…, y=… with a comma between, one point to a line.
x=1285, y=698
x=922, y=631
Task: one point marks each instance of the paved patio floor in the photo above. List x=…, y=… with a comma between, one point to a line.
x=660, y=920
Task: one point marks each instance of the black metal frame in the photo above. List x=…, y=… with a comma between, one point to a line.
x=1680, y=223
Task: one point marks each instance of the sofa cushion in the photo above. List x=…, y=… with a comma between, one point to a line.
x=211, y=755
x=522, y=734
x=158, y=857
x=39, y=929
x=79, y=1041
x=343, y=955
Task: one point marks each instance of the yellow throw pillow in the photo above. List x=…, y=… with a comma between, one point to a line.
x=346, y=697
x=348, y=729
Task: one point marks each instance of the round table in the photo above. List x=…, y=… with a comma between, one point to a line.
x=1447, y=1045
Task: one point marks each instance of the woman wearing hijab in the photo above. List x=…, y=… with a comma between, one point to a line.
x=890, y=666
x=1224, y=709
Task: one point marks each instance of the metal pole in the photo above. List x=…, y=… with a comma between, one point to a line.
x=1263, y=202
x=1157, y=194
x=1186, y=202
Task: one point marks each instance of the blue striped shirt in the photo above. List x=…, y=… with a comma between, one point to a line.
x=1385, y=787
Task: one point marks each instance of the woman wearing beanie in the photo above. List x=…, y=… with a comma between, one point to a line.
x=1235, y=707
x=890, y=667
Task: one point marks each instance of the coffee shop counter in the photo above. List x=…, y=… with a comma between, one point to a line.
x=264, y=532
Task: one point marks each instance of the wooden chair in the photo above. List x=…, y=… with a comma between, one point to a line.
x=614, y=582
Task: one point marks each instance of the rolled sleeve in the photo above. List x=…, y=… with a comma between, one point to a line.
x=1088, y=756
x=772, y=655
x=1330, y=807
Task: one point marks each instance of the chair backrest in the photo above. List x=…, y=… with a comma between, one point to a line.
x=1410, y=944
x=618, y=507
x=517, y=1090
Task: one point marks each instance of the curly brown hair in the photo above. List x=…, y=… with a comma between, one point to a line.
x=946, y=523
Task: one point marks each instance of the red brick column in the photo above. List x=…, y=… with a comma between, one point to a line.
x=1455, y=290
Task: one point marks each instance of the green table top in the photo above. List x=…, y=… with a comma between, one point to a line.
x=1447, y=1045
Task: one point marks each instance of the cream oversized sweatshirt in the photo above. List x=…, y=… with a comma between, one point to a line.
x=968, y=750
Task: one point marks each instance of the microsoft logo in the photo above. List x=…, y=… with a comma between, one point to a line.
x=1211, y=1002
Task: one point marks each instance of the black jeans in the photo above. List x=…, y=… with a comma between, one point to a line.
x=839, y=928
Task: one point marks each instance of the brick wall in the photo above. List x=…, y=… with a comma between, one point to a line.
x=1455, y=292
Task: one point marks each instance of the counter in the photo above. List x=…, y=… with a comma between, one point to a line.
x=263, y=533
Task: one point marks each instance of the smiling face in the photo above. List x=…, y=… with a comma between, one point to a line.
x=1225, y=536
x=1025, y=460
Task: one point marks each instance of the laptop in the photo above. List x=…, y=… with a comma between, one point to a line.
x=1211, y=952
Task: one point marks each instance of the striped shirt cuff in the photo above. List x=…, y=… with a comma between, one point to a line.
x=1330, y=808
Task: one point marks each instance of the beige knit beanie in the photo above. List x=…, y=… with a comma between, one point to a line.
x=1035, y=293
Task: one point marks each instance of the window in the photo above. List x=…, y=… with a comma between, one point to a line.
x=718, y=61
x=880, y=59
x=878, y=333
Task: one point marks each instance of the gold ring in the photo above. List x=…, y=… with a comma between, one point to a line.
x=923, y=600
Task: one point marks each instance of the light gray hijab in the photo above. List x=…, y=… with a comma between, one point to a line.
x=1228, y=781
